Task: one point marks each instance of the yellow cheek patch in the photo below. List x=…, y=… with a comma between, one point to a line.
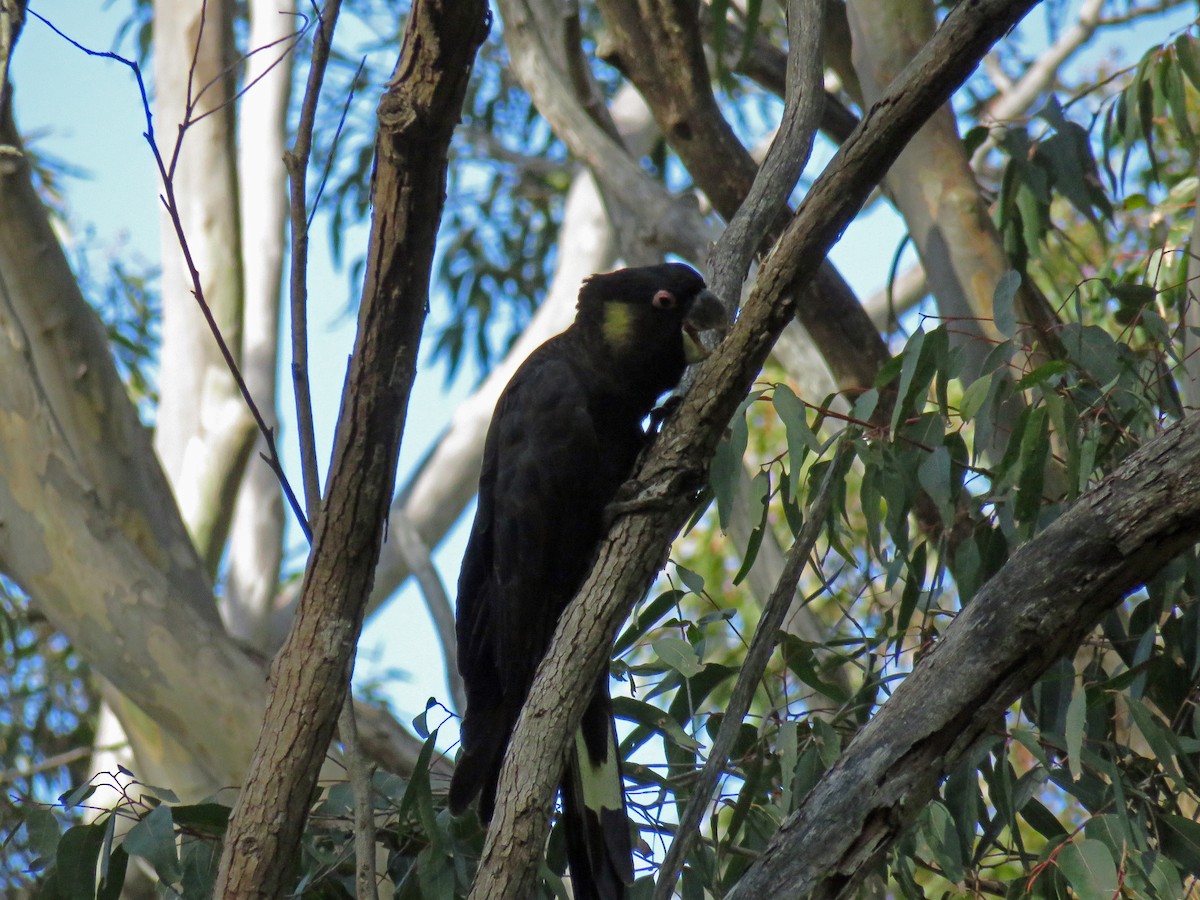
x=618, y=324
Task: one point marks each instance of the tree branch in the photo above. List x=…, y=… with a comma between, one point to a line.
x=762, y=645
x=310, y=677
x=635, y=548
x=776, y=178
x=433, y=592
x=296, y=161
x=1037, y=608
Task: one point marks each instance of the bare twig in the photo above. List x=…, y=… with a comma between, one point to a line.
x=753, y=665
x=53, y=762
x=169, y=201
x=359, y=773
x=297, y=165
x=296, y=160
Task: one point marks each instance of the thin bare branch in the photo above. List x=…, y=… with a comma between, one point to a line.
x=359, y=772
x=777, y=176
x=297, y=165
x=762, y=645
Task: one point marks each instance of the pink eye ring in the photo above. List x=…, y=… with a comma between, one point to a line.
x=664, y=300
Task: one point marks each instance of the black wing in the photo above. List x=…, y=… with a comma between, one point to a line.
x=539, y=517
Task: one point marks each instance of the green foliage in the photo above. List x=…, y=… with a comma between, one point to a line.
x=1088, y=786
x=47, y=713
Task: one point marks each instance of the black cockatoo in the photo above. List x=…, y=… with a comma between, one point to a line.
x=565, y=435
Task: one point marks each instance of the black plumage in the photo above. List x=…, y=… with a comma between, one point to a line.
x=565, y=435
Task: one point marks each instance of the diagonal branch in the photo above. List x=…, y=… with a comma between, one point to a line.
x=296, y=161
x=1037, y=608
x=310, y=676
x=789, y=152
x=636, y=547
x=752, y=668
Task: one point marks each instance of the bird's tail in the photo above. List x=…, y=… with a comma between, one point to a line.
x=485, y=734
x=599, y=852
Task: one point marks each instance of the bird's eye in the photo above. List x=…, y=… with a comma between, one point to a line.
x=664, y=300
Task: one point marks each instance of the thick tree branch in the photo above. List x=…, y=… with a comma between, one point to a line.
x=310, y=678
x=73, y=368
x=636, y=547
x=1037, y=608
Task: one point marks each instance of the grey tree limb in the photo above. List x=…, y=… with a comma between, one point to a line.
x=789, y=151
x=1038, y=607
x=433, y=592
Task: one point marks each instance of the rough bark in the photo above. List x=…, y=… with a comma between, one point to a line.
x=636, y=547
x=1036, y=609
x=417, y=115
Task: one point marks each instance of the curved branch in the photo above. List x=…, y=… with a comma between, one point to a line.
x=776, y=178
